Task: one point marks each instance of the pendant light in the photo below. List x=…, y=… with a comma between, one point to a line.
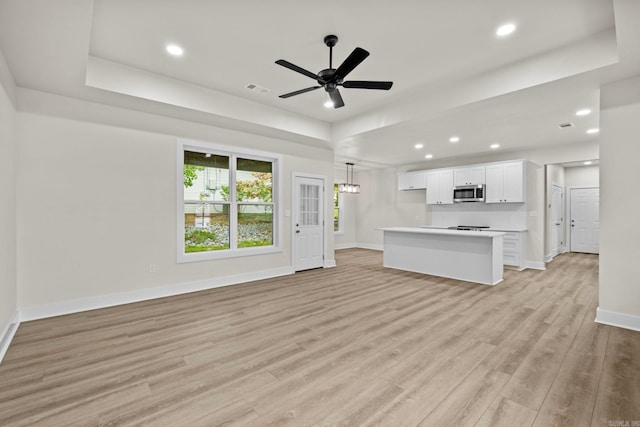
x=349, y=186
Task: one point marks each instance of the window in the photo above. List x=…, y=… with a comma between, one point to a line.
x=337, y=210
x=227, y=203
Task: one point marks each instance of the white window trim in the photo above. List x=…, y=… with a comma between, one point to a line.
x=232, y=252
x=340, y=231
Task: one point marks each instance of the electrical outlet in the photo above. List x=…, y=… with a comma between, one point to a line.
x=152, y=268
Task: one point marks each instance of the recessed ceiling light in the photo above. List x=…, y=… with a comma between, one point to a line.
x=588, y=162
x=494, y=146
x=454, y=139
x=175, y=50
x=428, y=156
x=583, y=112
x=418, y=146
x=505, y=30
x=593, y=130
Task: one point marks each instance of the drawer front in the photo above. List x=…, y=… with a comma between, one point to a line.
x=511, y=258
x=511, y=245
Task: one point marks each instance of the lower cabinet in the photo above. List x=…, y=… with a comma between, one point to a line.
x=514, y=249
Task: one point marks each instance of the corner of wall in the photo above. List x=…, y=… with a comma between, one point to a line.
x=7, y=335
x=6, y=80
x=8, y=217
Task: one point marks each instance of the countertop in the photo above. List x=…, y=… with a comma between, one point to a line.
x=443, y=231
x=503, y=229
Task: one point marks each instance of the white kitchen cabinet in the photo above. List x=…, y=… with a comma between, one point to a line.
x=469, y=176
x=412, y=180
x=505, y=182
x=440, y=187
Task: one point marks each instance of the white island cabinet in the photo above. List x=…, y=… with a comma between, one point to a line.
x=473, y=256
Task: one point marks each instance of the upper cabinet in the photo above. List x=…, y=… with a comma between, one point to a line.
x=473, y=175
x=440, y=187
x=412, y=180
x=505, y=183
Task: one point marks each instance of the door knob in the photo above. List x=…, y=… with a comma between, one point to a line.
x=297, y=231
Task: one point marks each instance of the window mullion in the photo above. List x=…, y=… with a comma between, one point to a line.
x=233, y=204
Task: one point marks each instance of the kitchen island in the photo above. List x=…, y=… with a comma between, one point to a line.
x=473, y=256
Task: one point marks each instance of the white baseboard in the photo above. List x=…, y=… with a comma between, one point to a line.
x=536, y=265
x=7, y=335
x=345, y=246
x=368, y=246
x=329, y=263
x=92, y=303
x=621, y=320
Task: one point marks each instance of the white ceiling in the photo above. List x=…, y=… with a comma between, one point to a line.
x=451, y=74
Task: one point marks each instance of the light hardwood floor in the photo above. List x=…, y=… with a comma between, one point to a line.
x=349, y=346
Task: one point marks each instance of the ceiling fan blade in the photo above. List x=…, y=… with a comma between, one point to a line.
x=357, y=56
x=361, y=84
x=300, y=70
x=298, y=92
x=336, y=98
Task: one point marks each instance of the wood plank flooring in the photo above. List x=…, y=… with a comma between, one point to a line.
x=354, y=345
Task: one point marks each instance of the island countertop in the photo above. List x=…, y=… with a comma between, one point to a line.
x=443, y=231
x=505, y=229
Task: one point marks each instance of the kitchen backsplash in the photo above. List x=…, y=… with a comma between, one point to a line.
x=509, y=215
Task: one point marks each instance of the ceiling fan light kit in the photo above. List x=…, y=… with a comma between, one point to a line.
x=331, y=78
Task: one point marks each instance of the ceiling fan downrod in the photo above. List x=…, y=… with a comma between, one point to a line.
x=331, y=41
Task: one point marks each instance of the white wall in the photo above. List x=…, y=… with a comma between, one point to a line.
x=380, y=204
x=97, y=204
x=619, y=301
x=582, y=176
x=8, y=270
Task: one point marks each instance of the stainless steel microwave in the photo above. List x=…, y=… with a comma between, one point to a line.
x=469, y=193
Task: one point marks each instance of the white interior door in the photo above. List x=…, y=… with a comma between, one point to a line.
x=585, y=220
x=557, y=219
x=309, y=223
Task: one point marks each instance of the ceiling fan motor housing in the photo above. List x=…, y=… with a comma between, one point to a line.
x=327, y=76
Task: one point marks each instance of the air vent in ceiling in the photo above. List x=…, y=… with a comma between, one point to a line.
x=256, y=88
x=565, y=125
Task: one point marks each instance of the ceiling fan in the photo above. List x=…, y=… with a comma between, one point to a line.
x=331, y=78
